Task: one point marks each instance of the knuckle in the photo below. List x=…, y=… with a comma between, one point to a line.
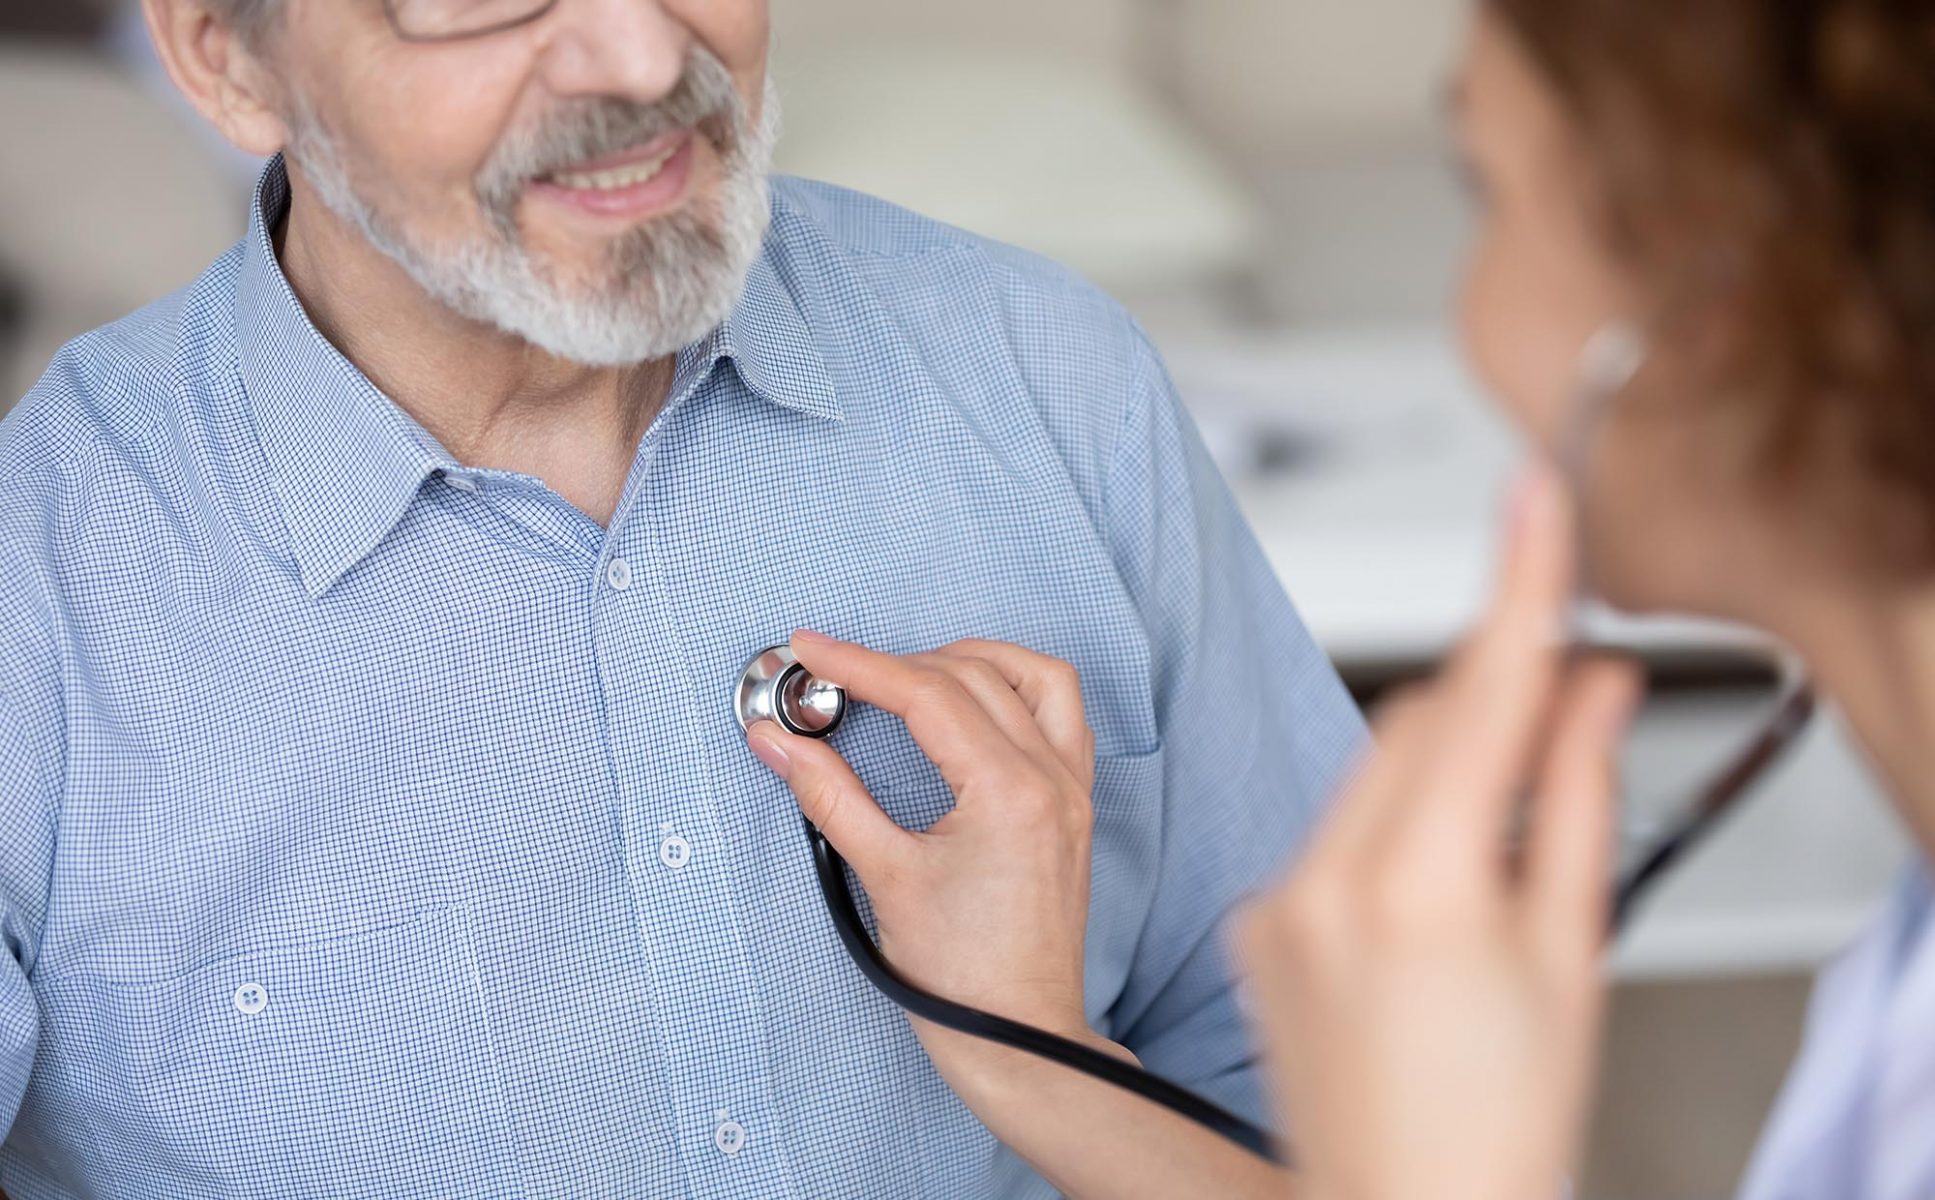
x=1037, y=796
x=981, y=672
x=1038, y=804
x=934, y=688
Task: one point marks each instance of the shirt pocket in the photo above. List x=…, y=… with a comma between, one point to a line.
x=354, y=1065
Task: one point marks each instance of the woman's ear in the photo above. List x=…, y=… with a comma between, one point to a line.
x=220, y=71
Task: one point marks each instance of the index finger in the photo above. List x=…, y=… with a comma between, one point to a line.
x=951, y=727
x=1499, y=687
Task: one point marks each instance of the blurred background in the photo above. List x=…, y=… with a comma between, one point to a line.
x=1266, y=184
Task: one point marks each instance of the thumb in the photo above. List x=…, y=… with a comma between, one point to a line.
x=832, y=797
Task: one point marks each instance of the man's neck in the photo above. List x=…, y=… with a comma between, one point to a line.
x=491, y=399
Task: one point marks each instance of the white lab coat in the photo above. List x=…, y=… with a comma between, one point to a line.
x=1857, y=1118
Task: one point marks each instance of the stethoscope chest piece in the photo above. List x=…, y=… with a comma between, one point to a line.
x=776, y=687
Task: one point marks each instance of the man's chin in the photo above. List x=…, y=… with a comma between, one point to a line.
x=616, y=334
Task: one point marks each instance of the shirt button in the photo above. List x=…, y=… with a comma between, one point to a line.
x=674, y=851
x=251, y=998
x=618, y=573
x=462, y=483
x=730, y=1136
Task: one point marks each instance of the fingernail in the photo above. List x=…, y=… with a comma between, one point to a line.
x=812, y=638
x=766, y=749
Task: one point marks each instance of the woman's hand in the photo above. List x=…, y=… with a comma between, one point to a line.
x=989, y=907
x=1432, y=996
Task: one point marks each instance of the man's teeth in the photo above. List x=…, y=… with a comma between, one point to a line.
x=629, y=175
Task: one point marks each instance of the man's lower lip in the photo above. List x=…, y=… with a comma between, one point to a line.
x=660, y=193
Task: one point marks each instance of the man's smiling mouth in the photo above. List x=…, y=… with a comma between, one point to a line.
x=625, y=170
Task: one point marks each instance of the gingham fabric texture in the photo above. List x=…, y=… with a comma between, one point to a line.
x=375, y=826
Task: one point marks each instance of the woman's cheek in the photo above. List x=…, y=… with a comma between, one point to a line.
x=1525, y=323
x=1496, y=340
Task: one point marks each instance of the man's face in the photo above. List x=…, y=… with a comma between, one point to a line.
x=593, y=181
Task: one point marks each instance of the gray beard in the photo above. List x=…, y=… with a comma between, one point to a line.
x=668, y=284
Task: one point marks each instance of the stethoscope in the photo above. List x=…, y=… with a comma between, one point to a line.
x=1610, y=362
x=776, y=686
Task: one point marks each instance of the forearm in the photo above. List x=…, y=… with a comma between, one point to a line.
x=1095, y=1141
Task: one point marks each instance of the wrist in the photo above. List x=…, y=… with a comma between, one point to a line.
x=978, y=1069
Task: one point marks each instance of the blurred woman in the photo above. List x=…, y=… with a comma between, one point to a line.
x=1744, y=190
x=1748, y=186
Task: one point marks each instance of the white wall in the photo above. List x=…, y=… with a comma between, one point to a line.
x=1311, y=71
x=1317, y=71
x=1098, y=30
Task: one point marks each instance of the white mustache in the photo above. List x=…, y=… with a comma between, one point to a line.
x=705, y=100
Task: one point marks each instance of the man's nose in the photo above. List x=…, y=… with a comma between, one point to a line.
x=630, y=49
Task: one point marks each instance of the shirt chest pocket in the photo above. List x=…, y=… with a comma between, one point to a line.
x=357, y=1065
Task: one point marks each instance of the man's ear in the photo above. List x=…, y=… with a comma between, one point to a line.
x=221, y=74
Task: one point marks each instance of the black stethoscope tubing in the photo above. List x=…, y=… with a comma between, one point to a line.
x=1718, y=798
x=866, y=955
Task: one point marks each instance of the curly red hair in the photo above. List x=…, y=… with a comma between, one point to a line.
x=1768, y=166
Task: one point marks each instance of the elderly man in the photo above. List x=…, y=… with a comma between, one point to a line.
x=376, y=822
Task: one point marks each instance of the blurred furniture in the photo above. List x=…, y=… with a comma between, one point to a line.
x=107, y=199
x=1053, y=141
x=1212, y=162
x=1691, y=1072
x=1255, y=75
x=1261, y=75
x=79, y=21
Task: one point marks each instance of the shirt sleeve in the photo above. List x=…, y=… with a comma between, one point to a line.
x=26, y=852
x=1256, y=731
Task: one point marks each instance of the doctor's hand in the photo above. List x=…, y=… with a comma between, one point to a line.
x=988, y=907
x=1432, y=996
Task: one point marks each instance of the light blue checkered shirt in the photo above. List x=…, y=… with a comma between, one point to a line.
x=375, y=826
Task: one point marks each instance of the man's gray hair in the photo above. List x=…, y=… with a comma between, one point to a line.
x=252, y=17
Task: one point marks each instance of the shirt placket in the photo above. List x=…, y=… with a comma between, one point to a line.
x=704, y=988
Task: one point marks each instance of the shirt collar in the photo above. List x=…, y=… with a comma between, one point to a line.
x=347, y=462
x=768, y=340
